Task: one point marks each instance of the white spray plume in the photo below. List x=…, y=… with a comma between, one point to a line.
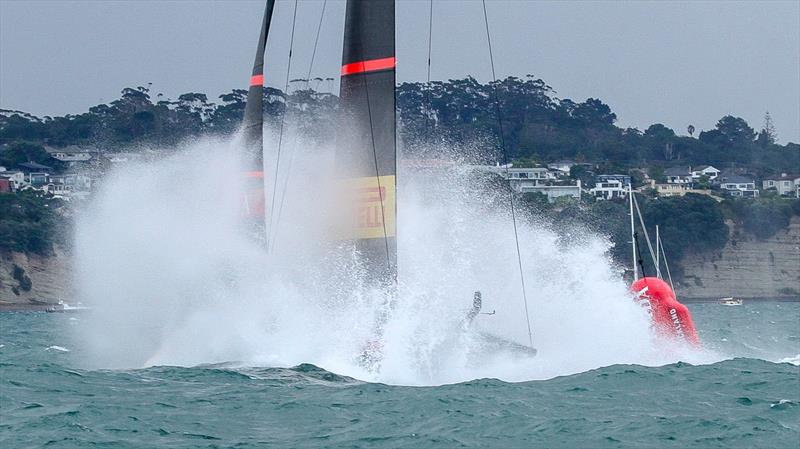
x=173, y=280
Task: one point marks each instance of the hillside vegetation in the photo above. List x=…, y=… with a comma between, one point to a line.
x=538, y=127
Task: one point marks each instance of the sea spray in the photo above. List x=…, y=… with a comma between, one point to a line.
x=174, y=280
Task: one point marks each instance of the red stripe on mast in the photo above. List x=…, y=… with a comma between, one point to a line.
x=371, y=65
x=257, y=80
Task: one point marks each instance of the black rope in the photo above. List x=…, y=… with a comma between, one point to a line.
x=280, y=132
x=505, y=162
x=291, y=160
x=639, y=257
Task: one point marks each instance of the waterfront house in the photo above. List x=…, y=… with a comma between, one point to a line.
x=625, y=180
x=76, y=181
x=555, y=190
x=739, y=185
x=536, y=179
x=705, y=170
x=785, y=184
x=15, y=178
x=609, y=187
x=678, y=175
x=35, y=174
x=522, y=178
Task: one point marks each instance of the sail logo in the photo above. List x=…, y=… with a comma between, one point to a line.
x=375, y=207
x=676, y=321
x=370, y=214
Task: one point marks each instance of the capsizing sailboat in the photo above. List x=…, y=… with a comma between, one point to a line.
x=669, y=317
x=366, y=150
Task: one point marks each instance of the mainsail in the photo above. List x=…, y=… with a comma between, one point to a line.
x=253, y=132
x=366, y=150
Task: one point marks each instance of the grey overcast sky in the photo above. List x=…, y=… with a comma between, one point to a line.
x=670, y=62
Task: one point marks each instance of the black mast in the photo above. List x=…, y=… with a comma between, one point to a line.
x=253, y=132
x=254, y=108
x=366, y=152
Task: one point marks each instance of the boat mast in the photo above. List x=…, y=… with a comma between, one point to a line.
x=252, y=126
x=633, y=234
x=366, y=145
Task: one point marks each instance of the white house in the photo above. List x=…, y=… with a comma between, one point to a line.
x=609, y=188
x=705, y=170
x=678, y=175
x=15, y=178
x=520, y=178
x=76, y=181
x=555, y=191
x=527, y=173
x=59, y=190
x=784, y=184
x=561, y=166
x=738, y=185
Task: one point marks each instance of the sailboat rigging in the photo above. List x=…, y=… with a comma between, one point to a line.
x=669, y=317
x=366, y=145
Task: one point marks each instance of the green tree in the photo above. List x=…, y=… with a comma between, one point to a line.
x=20, y=152
x=735, y=130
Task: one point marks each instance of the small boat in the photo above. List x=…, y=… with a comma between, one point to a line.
x=730, y=301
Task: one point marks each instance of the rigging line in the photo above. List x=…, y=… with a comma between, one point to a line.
x=316, y=41
x=291, y=159
x=639, y=259
x=428, y=79
x=280, y=132
x=644, y=230
x=505, y=162
x=378, y=173
x=666, y=264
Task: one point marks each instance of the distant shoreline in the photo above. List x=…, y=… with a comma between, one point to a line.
x=744, y=298
x=28, y=307
x=59, y=308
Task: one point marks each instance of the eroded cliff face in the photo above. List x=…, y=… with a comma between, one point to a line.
x=30, y=278
x=746, y=267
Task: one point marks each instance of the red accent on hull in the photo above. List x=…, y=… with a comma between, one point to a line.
x=254, y=174
x=257, y=80
x=372, y=65
x=670, y=318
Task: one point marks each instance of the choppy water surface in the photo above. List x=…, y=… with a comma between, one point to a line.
x=748, y=394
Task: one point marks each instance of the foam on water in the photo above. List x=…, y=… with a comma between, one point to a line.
x=173, y=280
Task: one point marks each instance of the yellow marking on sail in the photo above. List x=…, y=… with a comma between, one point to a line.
x=372, y=221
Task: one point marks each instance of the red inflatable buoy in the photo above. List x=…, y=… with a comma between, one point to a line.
x=670, y=318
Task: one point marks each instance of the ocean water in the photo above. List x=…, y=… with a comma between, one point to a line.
x=746, y=393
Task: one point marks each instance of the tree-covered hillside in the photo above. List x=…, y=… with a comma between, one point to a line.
x=537, y=125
